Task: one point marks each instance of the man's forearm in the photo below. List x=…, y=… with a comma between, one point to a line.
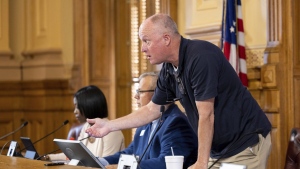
x=205, y=134
x=140, y=117
x=205, y=130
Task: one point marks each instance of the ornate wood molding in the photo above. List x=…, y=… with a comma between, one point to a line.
x=38, y=52
x=211, y=33
x=255, y=57
x=44, y=64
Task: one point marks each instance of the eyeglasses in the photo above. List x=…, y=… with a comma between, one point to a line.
x=180, y=84
x=138, y=92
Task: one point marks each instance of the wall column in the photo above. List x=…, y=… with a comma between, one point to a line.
x=9, y=67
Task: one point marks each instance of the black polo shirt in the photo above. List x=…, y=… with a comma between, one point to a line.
x=204, y=73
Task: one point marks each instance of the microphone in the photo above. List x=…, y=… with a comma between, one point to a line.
x=44, y=155
x=162, y=110
x=257, y=131
x=64, y=123
x=84, y=138
x=23, y=125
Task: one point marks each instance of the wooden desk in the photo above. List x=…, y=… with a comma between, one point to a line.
x=7, y=162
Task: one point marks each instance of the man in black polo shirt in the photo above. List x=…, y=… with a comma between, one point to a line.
x=230, y=125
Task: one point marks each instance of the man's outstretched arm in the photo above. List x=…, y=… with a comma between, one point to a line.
x=140, y=117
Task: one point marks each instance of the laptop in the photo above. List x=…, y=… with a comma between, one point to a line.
x=31, y=152
x=78, y=153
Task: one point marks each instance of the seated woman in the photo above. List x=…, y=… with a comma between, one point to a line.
x=90, y=103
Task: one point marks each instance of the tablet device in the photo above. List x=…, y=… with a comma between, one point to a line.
x=76, y=151
x=31, y=152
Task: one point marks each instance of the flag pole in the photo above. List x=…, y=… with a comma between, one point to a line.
x=223, y=24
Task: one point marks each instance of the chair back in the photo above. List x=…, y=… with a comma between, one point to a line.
x=293, y=150
x=75, y=131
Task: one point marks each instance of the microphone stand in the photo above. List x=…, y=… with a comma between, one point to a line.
x=23, y=125
x=64, y=123
x=162, y=110
x=47, y=154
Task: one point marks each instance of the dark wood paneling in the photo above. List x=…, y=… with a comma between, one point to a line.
x=44, y=104
x=123, y=62
x=100, y=37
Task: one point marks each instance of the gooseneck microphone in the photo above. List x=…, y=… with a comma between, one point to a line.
x=44, y=155
x=23, y=125
x=257, y=131
x=64, y=123
x=162, y=110
x=84, y=138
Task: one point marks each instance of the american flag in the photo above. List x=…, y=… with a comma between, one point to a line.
x=233, y=38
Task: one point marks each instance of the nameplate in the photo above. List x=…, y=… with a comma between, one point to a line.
x=127, y=162
x=73, y=162
x=232, y=166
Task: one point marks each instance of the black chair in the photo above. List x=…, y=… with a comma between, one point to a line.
x=75, y=131
x=293, y=150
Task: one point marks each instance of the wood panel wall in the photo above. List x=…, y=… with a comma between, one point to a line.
x=271, y=83
x=295, y=41
x=102, y=58
x=280, y=76
x=123, y=63
x=102, y=54
x=44, y=104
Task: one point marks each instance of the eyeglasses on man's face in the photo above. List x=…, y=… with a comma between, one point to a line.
x=139, y=91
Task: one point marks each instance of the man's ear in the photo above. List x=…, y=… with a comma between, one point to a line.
x=167, y=39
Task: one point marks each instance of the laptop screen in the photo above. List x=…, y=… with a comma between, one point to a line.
x=31, y=152
x=76, y=150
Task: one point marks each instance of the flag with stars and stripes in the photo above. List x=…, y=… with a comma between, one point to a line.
x=233, y=38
